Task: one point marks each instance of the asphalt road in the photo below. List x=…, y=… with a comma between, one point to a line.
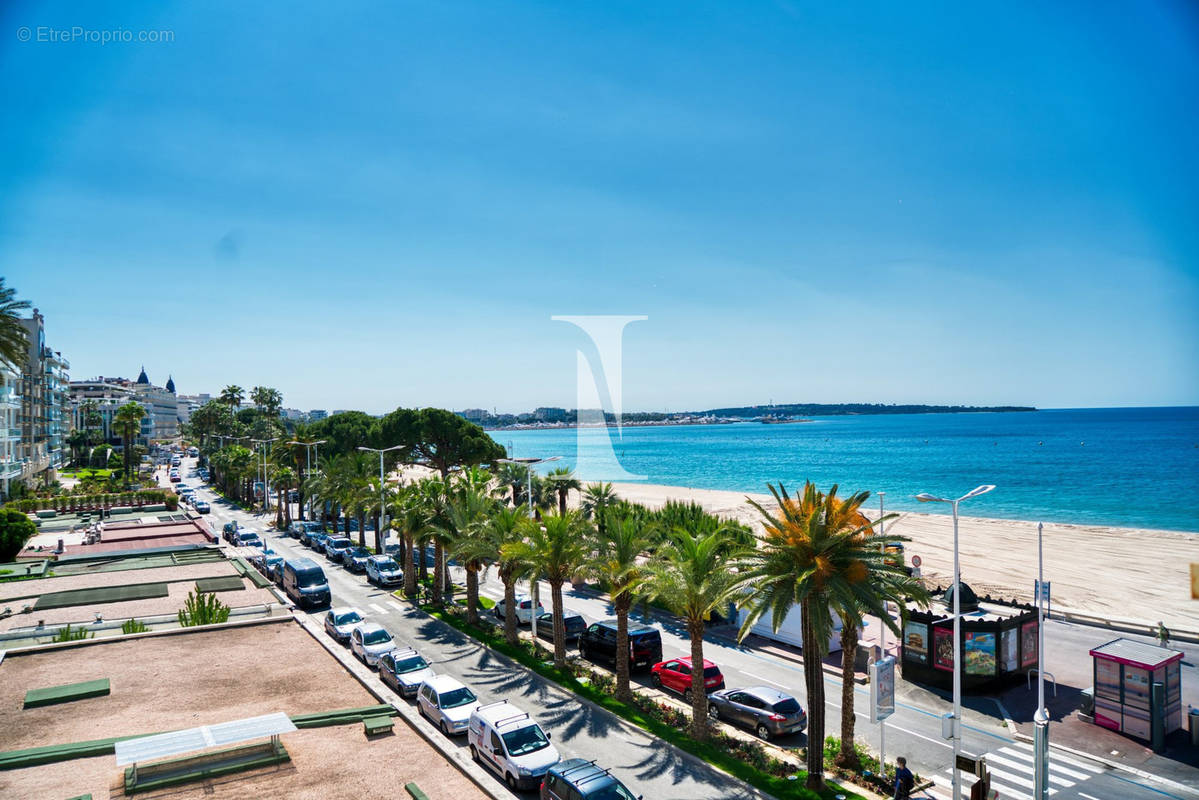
x=661, y=772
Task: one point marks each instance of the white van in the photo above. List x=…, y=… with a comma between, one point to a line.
x=511, y=744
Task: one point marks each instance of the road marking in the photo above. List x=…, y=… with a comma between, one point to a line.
x=377, y=609
x=1089, y=797
x=759, y=677
x=1028, y=760
x=395, y=605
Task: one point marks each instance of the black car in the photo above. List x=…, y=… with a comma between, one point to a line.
x=576, y=779
x=598, y=643
x=572, y=621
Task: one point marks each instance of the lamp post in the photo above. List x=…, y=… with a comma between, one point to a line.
x=308, y=465
x=222, y=437
x=1041, y=718
x=924, y=497
x=882, y=641
x=266, y=490
x=533, y=582
x=382, y=495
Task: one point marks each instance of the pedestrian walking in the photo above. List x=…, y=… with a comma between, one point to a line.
x=1163, y=634
x=905, y=781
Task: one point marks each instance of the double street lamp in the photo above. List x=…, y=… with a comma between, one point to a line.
x=266, y=491
x=382, y=493
x=308, y=447
x=924, y=497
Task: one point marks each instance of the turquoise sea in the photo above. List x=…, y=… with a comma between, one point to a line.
x=1131, y=467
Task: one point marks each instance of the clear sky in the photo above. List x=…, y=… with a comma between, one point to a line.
x=368, y=205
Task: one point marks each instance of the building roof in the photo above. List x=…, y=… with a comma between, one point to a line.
x=142, y=377
x=170, y=387
x=1139, y=654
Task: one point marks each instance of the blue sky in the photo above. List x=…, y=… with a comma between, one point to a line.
x=371, y=205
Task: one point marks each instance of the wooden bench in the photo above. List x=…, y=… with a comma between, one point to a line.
x=376, y=725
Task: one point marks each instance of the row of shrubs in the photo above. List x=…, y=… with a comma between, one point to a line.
x=92, y=502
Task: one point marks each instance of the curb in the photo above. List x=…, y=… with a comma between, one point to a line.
x=1007, y=718
x=1140, y=773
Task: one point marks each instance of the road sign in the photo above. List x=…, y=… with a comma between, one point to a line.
x=975, y=766
x=882, y=689
x=917, y=561
x=1041, y=586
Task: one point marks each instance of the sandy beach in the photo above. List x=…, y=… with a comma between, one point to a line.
x=1121, y=573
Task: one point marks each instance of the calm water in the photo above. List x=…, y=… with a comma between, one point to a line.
x=1131, y=467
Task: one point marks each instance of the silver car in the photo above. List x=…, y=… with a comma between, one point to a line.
x=766, y=711
x=404, y=671
x=447, y=703
x=369, y=642
x=339, y=622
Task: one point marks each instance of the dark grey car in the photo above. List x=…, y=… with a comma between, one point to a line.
x=768, y=712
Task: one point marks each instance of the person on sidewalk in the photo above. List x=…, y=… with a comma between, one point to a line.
x=905, y=781
x=1163, y=634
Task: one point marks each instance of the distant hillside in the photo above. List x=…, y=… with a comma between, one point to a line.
x=837, y=409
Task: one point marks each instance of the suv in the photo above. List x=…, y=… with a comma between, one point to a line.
x=598, y=643
x=524, y=609
x=576, y=779
x=507, y=741
x=337, y=547
x=383, y=571
x=766, y=711
x=404, y=670
x=447, y=703
x=675, y=675
x=572, y=623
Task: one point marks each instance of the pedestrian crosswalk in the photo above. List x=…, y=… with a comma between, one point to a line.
x=1011, y=769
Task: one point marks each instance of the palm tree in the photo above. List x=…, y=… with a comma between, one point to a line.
x=513, y=477
x=597, y=499
x=411, y=517
x=232, y=395
x=14, y=339
x=556, y=546
x=505, y=531
x=563, y=480
x=466, y=516
x=284, y=478
x=819, y=552
x=128, y=422
x=692, y=576
x=618, y=562
x=267, y=399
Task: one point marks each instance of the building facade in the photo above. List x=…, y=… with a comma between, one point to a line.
x=10, y=431
x=43, y=419
x=162, y=408
x=107, y=395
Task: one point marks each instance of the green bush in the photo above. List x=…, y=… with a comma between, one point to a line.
x=134, y=626
x=202, y=608
x=69, y=634
x=15, y=530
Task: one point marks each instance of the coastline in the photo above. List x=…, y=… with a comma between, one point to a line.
x=1124, y=573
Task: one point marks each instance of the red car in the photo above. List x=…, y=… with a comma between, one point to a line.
x=676, y=676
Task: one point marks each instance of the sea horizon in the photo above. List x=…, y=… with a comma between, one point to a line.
x=1127, y=467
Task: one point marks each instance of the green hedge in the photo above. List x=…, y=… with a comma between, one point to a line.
x=69, y=503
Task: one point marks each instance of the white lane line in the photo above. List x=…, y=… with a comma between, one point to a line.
x=1028, y=762
x=1089, y=797
x=377, y=609
x=1021, y=768
x=395, y=605
x=759, y=677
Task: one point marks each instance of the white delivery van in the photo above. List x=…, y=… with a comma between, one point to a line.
x=791, y=631
x=511, y=745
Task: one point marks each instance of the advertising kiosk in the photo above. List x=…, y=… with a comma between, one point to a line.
x=1125, y=698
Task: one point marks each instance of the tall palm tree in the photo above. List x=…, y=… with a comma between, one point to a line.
x=505, y=531
x=283, y=478
x=14, y=339
x=512, y=477
x=618, y=562
x=597, y=499
x=692, y=576
x=89, y=416
x=562, y=480
x=819, y=552
x=466, y=516
x=268, y=400
x=556, y=546
x=232, y=395
x=128, y=422
x=412, y=518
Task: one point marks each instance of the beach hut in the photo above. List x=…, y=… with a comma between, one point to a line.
x=1138, y=689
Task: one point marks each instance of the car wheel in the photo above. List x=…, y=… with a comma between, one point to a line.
x=445, y=728
x=583, y=651
x=474, y=754
x=511, y=782
x=655, y=681
x=763, y=732
x=687, y=695
x=714, y=712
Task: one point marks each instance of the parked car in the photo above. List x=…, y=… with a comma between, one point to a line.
x=571, y=620
x=524, y=609
x=308, y=534
x=201, y=507
x=339, y=622
x=511, y=744
x=383, y=571
x=246, y=538
x=766, y=711
x=675, y=675
x=576, y=779
x=355, y=558
x=598, y=643
x=404, y=671
x=370, y=641
x=180, y=488
x=297, y=529
x=272, y=564
x=304, y=583
x=174, y=477
x=336, y=547
x=447, y=703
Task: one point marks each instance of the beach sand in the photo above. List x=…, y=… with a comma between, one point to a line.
x=1118, y=573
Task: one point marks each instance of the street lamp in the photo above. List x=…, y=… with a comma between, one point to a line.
x=266, y=491
x=308, y=465
x=1041, y=718
x=924, y=497
x=382, y=495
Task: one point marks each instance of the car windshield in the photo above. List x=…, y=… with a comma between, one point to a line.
x=360, y=552
x=456, y=697
x=377, y=636
x=386, y=564
x=338, y=544
x=310, y=577
x=410, y=664
x=711, y=672
x=526, y=740
x=788, y=706
x=613, y=791
x=347, y=618
x=248, y=537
